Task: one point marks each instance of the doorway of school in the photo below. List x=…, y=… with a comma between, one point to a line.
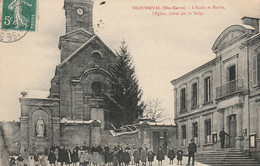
x=232, y=128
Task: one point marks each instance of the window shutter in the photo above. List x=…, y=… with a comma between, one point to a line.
x=258, y=69
x=254, y=70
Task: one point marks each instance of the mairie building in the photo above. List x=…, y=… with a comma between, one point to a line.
x=73, y=111
x=223, y=93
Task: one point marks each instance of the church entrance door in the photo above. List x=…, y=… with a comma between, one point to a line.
x=232, y=126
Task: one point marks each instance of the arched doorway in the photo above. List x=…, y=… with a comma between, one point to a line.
x=232, y=127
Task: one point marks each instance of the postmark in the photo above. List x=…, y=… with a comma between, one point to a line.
x=9, y=36
x=19, y=15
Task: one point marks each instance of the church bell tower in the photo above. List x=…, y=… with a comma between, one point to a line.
x=79, y=14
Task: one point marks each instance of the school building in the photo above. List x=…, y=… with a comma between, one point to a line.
x=223, y=93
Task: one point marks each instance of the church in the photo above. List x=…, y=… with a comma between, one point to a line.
x=73, y=112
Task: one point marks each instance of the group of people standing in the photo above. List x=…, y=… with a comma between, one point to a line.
x=97, y=156
x=105, y=155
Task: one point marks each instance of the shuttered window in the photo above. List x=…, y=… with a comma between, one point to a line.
x=254, y=69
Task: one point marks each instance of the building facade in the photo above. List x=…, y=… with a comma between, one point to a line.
x=223, y=93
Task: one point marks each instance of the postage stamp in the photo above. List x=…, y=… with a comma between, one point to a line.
x=19, y=15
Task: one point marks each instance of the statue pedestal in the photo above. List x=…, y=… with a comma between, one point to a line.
x=41, y=144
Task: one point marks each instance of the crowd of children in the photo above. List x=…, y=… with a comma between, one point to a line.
x=97, y=156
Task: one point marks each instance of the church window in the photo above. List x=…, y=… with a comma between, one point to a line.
x=207, y=89
x=256, y=70
x=194, y=93
x=183, y=99
x=208, y=130
x=96, y=88
x=183, y=131
x=96, y=57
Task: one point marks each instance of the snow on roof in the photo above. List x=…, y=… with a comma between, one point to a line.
x=64, y=120
x=168, y=122
x=247, y=26
x=75, y=52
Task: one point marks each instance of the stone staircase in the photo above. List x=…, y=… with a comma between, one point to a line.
x=228, y=157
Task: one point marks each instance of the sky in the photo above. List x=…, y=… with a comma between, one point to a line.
x=163, y=47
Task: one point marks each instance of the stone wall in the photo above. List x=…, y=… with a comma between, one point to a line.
x=11, y=136
x=130, y=139
x=72, y=134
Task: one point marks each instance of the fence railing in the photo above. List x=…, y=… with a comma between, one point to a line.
x=229, y=88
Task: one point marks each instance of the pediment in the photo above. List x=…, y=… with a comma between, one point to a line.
x=229, y=36
x=96, y=44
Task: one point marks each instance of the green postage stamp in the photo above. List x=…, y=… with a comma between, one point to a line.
x=19, y=15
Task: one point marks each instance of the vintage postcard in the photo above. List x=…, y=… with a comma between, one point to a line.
x=101, y=82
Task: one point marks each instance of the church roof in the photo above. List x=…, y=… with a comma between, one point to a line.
x=81, y=47
x=84, y=45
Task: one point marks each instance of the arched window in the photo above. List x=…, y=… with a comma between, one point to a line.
x=96, y=57
x=183, y=99
x=207, y=89
x=194, y=94
x=96, y=88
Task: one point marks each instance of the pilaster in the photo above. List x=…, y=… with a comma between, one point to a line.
x=95, y=135
x=24, y=133
x=56, y=130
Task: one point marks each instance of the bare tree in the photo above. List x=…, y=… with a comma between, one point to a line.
x=155, y=111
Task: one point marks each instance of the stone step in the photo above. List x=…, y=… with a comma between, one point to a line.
x=230, y=162
x=240, y=160
x=227, y=157
x=218, y=158
x=234, y=164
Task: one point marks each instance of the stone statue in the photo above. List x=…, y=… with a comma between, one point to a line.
x=40, y=127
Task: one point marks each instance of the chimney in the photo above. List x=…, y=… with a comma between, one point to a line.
x=254, y=22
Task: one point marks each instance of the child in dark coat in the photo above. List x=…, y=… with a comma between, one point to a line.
x=150, y=157
x=52, y=158
x=126, y=157
x=160, y=156
x=136, y=155
x=110, y=158
x=179, y=156
x=120, y=155
x=171, y=155
x=75, y=157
